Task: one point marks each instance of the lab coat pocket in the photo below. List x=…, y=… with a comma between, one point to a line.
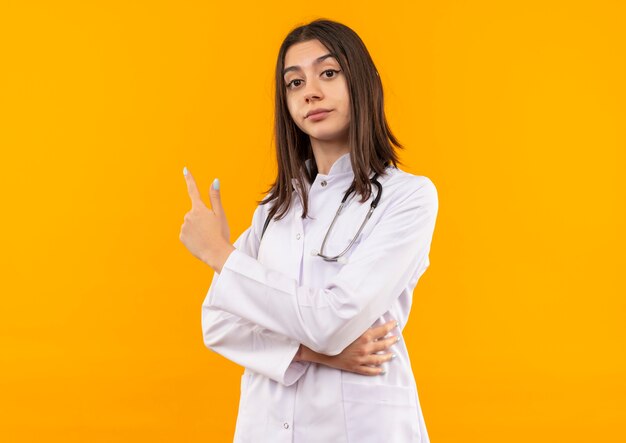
x=377, y=413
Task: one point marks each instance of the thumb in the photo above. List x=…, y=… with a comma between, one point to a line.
x=216, y=198
x=218, y=209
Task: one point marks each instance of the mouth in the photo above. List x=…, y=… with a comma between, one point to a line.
x=317, y=112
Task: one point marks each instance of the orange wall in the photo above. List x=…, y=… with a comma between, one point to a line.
x=514, y=110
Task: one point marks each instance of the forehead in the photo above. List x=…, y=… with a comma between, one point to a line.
x=304, y=54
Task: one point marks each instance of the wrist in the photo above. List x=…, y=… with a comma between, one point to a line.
x=298, y=356
x=217, y=259
x=306, y=354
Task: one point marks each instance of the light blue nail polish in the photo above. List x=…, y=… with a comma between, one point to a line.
x=216, y=184
x=185, y=170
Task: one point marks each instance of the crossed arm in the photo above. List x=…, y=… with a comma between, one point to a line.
x=281, y=358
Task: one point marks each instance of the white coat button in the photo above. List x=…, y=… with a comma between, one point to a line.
x=286, y=425
x=297, y=236
x=323, y=183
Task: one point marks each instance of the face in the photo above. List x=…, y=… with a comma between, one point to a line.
x=314, y=80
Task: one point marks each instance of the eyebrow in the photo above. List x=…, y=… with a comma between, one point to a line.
x=315, y=62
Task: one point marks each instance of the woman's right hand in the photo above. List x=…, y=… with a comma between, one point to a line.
x=361, y=355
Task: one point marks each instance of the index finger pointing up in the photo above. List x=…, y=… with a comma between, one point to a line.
x=192, y=189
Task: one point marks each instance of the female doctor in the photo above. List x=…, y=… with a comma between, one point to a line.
x=308, y=296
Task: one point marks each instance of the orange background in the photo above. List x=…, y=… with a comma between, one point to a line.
x=515, y=110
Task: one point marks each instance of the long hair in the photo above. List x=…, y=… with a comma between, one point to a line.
x=370, y=138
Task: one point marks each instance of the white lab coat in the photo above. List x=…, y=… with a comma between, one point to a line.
x=269, y=299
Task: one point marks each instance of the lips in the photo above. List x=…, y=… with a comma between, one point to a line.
x=316, y=111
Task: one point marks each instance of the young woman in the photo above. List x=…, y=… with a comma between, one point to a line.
x=308, y=296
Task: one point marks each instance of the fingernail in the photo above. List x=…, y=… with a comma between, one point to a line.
x=397, y=324
x=397, y=339
x=216, y=184
x=185, y=171
x=393, y=356
x=383, y=372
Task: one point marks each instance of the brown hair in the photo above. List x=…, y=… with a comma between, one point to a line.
x=370, y=138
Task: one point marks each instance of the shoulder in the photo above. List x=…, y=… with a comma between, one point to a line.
x=403, y=186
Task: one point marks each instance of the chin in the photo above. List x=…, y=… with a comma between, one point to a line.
x=325, y=136
x=328, y=135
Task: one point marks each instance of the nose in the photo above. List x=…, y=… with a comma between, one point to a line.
x=312, y=90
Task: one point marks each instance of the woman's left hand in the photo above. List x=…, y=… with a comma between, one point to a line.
x=362, y=355
x=205, y=231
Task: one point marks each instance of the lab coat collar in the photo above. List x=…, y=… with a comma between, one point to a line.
x=342, y=166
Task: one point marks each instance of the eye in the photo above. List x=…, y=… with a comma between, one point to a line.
x=334, y=71
x=293, y=82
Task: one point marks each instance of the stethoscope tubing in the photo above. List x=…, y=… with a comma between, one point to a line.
x=367, y=217
x=373, y=205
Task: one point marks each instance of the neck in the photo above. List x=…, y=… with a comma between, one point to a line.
x=326, y=153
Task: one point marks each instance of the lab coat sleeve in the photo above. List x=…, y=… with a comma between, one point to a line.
x=242, y=341
x=327, y=319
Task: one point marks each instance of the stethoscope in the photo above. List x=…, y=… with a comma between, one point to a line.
x=340, y=257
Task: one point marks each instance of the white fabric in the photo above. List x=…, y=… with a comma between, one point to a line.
x=270, y=298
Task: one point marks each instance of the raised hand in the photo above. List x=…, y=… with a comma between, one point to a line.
x=205, y=232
